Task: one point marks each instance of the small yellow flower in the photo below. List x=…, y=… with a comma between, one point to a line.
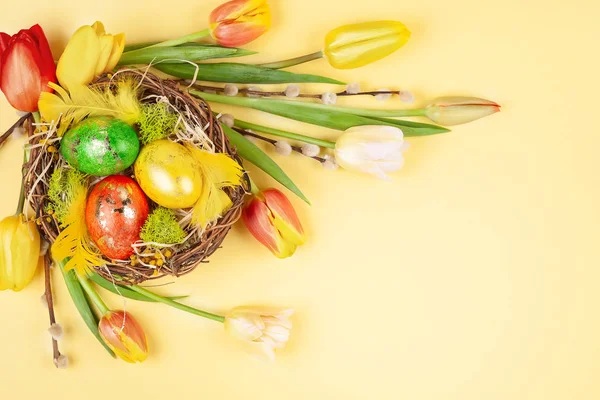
x=90, y=52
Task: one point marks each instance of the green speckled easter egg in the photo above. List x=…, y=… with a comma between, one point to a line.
x=100, y=146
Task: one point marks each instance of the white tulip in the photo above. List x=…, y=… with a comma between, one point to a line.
x=263, y=330
x=374, y=149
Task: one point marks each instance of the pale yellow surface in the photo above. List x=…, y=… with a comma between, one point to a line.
x=474, y=274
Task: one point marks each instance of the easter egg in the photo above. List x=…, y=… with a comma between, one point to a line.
x=169, y=174
x=100, y=146
x=115, y=212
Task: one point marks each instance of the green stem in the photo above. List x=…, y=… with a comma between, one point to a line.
x=248, y=102
x=294, y=61
x=253, y=186
x=175, y=304
x=183, y=39
x=93, y=295
x=285, y=134
x=21, y=202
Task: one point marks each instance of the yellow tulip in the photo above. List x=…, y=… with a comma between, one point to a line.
x=89, y=53
x=19, y=252
x=352, y=46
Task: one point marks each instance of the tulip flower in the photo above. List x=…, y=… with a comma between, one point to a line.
x=271, y=219
x=262, y=330
x=26, y=67
x=352, y=46
x=19, y=252
x=459, y=110
x=89, y=53
x=356, y=45
x=238, y=22
x=374, y=149
x=124, y=335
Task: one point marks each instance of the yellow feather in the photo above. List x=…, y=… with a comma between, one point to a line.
x=74, y=240
x=83, y=101
x=218, y=172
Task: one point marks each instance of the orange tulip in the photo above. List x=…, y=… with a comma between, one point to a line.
x=124, y=335
x=271, y=219
x=238, y=22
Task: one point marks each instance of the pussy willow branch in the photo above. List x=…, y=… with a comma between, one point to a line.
x=246, y=91
x=272, y=141
x=16, y=125
x=50, y=302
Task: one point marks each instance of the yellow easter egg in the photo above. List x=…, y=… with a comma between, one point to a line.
x=168, y=174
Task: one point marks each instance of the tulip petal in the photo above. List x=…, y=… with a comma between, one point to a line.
x=47, y=65
x=4, y=39
x=256, y=217
x=455, y=110
x=106, y=47
x=284, y=217
x=77, y=65
x=98, y=27
x=21, y=80
x=117, y=51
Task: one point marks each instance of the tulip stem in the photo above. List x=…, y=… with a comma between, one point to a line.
x=175, y=304
x=175, y=42
x=93, y=295
x=21, y=203
x=253, y=186
x=284, y=134
x=293, y=61
x=250, y=102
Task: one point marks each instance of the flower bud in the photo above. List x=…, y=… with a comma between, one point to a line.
x=352, y=46
x=459, y=110
x=272, y=220
x=262, y=330
x=19, y=252
x=238, y=22
x=124, y=335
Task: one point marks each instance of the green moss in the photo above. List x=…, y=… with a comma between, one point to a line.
x=61, y=188
x=156, y=122
x=162, y=227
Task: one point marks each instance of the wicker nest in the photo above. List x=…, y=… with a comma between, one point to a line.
x=185, y=256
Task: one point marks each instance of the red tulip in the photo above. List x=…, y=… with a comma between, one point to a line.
x=238, y=22
x=26, y=67
x=271, y=219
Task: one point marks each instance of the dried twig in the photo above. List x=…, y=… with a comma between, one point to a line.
x=16, y=125
x=50, y=302
x=273, y=141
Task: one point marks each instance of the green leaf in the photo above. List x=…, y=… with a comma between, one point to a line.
x=412, y=128
x=240, y=73
x=322, y=115
x=249, y=151
x=176, y=54
x=123, y=290
x=82, y=304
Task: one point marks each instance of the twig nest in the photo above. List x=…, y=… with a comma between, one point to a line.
x=166, y=114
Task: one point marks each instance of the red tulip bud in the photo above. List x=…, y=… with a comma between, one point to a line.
x=26, y=67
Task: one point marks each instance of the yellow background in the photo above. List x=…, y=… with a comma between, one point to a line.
x=474, y=274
